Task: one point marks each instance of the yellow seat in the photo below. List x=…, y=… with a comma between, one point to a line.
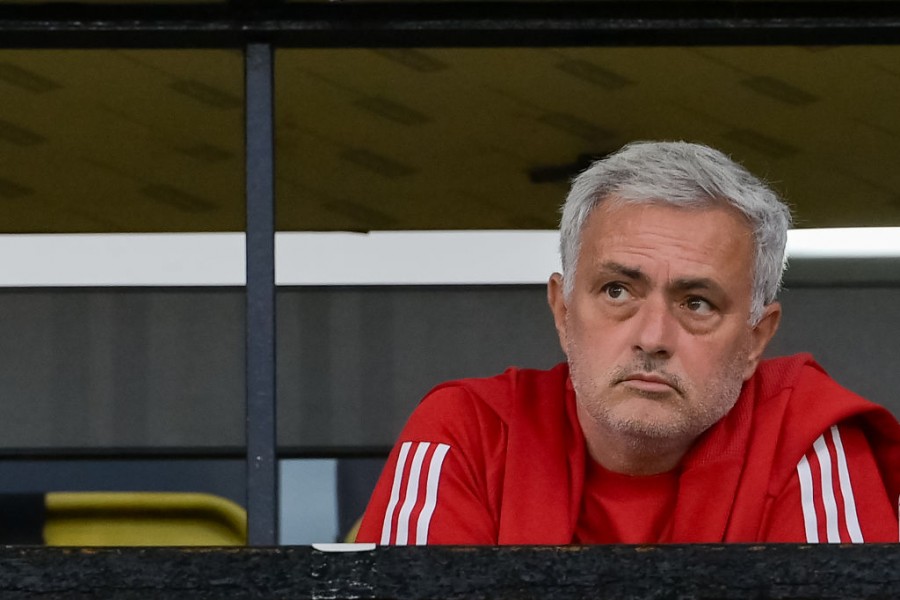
x=143, y=519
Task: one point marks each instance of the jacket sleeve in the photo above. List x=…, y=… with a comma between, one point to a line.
x=836, y=495
x=441, y=482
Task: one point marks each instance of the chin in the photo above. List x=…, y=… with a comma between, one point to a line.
x=656, y=424
x=651, y=429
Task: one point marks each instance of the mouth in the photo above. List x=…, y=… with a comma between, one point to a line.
x=651, y=383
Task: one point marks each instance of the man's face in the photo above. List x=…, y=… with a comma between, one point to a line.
x=656, y=329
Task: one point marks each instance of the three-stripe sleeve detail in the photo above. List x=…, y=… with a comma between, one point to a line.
x=434, y=478
x=810, y=522
x=415, y=490
x=395, y=493
x=826, y=492
x=850, y=513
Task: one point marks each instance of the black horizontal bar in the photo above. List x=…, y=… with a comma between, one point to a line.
x=336, y=451
x=449, y=24
x=124, y=453
x=471, y=573
x=190, y=453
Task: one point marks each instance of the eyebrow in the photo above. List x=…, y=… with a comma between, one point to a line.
x=629, y=272
x=697, y=283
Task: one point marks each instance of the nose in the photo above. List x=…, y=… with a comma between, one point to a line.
x=655, y=328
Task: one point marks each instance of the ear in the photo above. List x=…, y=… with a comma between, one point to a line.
x=761, y=335
x=557, y=301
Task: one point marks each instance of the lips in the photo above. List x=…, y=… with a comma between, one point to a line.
x=650, y=382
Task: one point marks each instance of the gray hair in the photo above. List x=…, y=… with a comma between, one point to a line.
x=686, y=175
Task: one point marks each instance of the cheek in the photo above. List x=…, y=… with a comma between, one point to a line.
x=591, y=328
x=703, y=356
x=595, y=350
x=587, y=344
x=713, y=362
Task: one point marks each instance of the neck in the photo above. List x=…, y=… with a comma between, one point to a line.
x=622, y=452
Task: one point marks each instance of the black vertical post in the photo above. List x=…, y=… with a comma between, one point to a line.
x=262, y=474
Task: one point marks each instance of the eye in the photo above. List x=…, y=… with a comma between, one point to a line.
x=699, y=306
x=616, y=291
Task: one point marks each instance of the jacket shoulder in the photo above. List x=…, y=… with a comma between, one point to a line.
x=798, y=401
x=807, y=388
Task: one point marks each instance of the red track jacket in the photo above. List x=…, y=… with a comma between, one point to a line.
x=502, y=461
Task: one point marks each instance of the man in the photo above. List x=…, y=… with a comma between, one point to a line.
x=665, y=424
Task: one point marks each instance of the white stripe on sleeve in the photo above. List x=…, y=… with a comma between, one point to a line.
x=846, y=489
x=395, y=493
x=831, y=516
x=412, y=493
x=810, y=522
x=434, y=476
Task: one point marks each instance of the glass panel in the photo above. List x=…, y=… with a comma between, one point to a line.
x=322, y=500
x=354, y=362
x=114, y=370
x=121, y=141
x=487, y=138
x=308, y=502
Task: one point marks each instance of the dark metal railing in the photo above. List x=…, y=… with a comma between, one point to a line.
x=448, y=24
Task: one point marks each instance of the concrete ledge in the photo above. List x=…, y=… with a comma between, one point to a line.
x=695, y=571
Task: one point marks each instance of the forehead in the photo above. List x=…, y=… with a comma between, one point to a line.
x=710, y=241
